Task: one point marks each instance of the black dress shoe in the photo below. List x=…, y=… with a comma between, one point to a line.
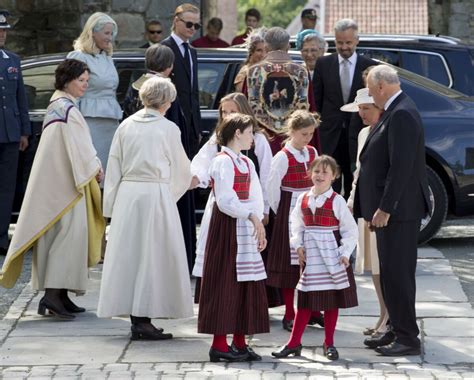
x=388, y=338
x=70, y=306
x=141, y=332
x=316, y=321
x=286, y=351
x=398, y=349
x=330, y=352
x=230, y=356
x=287, y=324
x=252, y=355
x=57, y=309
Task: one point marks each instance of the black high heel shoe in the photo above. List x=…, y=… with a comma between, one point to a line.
x=70, y=306
x=286, y=351
x=58, y=311
x=252, y=355
x=330, y=352
x=230, y=356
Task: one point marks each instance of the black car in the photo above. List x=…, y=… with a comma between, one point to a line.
x=447, y=116
x=443, y=59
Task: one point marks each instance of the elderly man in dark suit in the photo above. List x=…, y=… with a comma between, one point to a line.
x=185, y=71
x=392, y=196
x=14, y=128
x=336, y=79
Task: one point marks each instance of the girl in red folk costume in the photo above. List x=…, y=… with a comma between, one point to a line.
x=233, y=298
x=324, y=233
x=287, y=180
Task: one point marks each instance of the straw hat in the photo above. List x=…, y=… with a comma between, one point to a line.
x=362, y=97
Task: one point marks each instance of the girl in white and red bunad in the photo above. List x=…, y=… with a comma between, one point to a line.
x=324, y=234
x=233, y=298
x=287, y=180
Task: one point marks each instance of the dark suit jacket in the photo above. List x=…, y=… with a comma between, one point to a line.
x=14, y=119
x=145, y=46
x=188, y=96
x=392, y=173
x=328, y=99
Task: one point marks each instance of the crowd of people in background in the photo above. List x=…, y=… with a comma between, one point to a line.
x=297, y=185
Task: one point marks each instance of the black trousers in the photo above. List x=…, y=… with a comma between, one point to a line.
x=9, y=153
x=341, y=155
x=397, y=249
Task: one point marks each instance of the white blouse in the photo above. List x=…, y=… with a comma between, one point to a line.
x=347, y=225
x=201, y=162
x=279, y=168
x=222, y=171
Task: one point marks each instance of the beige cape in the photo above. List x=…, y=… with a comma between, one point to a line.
x=63, y=172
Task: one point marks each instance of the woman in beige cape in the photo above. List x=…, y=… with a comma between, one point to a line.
x=145, y=272
x=60, y=217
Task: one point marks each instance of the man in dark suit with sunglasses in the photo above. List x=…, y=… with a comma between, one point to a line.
x=185, y=71
x=153, y=33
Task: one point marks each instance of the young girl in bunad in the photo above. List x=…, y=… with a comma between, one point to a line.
x=233, y=298
x=287, y=180
x=260, y=153
x=324, y=234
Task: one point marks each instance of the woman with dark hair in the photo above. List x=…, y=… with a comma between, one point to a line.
x=60, y=217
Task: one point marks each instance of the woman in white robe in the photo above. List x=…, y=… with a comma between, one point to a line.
x=145, y=273
x=57, y=217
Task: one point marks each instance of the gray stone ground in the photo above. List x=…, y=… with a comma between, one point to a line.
x=36, y=347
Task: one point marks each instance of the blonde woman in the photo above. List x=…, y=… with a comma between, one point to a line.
x=99, y=104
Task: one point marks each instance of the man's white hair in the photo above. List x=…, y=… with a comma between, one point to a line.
x=384, y=73
x=345, y=24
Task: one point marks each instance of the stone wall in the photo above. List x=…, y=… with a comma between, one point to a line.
x=452, y=18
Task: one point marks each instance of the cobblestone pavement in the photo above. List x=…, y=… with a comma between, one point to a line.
x=35, y=347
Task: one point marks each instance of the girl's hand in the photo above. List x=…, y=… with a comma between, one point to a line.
x=100, y=175
x=301, y=256
x=259, y=232
x=344, y=261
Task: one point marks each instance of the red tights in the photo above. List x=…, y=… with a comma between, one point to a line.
x=301, y=320
x=219, y=342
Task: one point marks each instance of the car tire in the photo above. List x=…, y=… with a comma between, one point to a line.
x=439, y=200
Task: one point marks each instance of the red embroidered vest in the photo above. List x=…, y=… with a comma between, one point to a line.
x=323, y=216
x=297, y=177
x=241, y=180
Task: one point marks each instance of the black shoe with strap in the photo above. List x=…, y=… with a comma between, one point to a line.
x=230, y=355
x=286, y=351
x=252, y=355
x=330, y=352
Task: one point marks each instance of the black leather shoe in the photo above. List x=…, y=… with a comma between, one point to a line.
x=287, y=325
x=378, y=342
x=252, y=355
x=316, y=321
x=140, y=332
x=56, y=309
x=286, y=351
x=397, y=349
x=330, y=352
x=70, y=306
x=230, y=356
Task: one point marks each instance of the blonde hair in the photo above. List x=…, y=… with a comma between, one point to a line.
x=242, y=104
x=156, y=92
x=183, y=8
x=94, y=23
x=300, y=119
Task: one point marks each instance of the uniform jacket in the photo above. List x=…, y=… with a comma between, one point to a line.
x=14, y=119
x=392, y=173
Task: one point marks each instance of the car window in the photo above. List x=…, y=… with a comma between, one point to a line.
x=387, y=56
x=210, y=77
x=39, y=85
x=128, y=72
x=428, y=65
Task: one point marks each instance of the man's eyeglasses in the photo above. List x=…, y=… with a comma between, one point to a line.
x=155, y=31
x=190, y=24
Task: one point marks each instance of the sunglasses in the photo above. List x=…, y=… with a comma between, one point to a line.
x=190, y=24
x=155, y=31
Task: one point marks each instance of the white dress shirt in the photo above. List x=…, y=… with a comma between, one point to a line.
x=352, y=64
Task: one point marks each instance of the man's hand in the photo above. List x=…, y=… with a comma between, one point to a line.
x=23, y=143
x=379, y=220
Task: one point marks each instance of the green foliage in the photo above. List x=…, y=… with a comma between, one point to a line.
x=274, y=12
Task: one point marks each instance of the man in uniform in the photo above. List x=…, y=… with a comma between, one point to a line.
x=14, y=128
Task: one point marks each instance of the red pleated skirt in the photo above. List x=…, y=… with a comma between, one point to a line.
x=227, y=306
x=280, y=272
